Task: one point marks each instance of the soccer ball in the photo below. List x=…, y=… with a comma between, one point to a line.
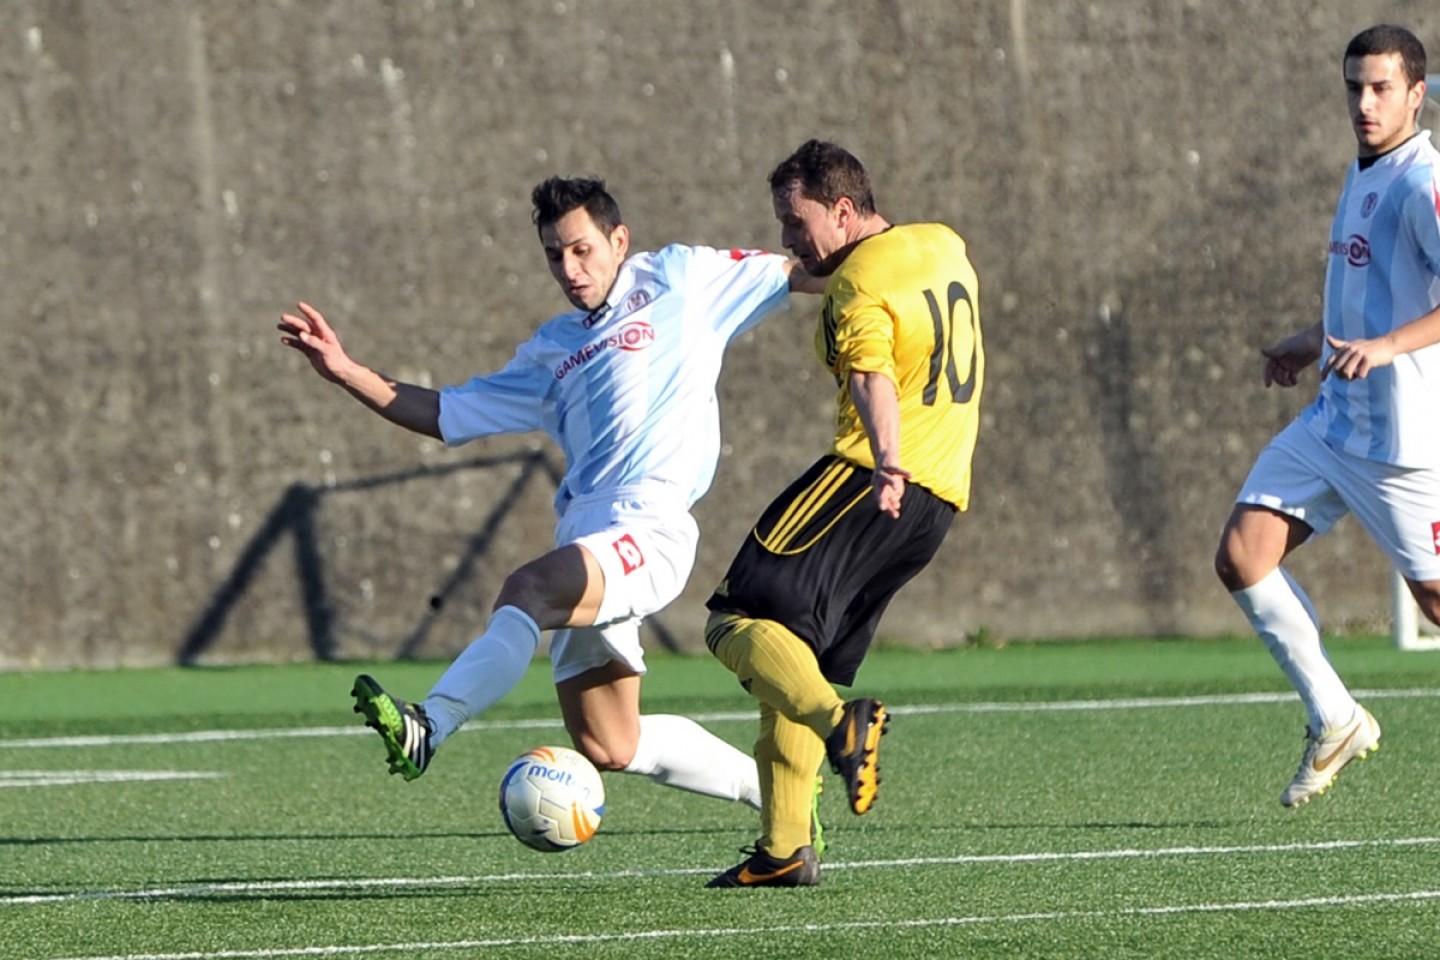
x=552, y=798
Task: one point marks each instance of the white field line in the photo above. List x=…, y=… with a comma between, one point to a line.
x=325, y=950
x=1042, y=706
x=261, y=890
x=819, y=929
x=70, y=778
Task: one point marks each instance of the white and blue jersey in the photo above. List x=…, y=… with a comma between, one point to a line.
x=1384, y=272
x=628, y=390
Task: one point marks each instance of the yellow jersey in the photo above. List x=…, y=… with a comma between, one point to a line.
x=906, y=304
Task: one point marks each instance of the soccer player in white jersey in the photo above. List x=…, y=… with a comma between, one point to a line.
x=1368, y=444
x=625, y=384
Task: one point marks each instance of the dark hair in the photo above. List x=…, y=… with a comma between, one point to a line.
x=1388, y=38
x=826, y=172
x=557, y=196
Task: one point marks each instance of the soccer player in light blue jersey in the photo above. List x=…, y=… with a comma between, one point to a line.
x=625, y=384
x=1368, y=444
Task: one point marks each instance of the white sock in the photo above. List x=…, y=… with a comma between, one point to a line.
x=1310, y=610
x=1285, y=619
x=678, y=752
x=483, y=673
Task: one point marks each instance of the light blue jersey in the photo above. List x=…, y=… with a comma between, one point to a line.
x=628, y=390
x=1383, y=272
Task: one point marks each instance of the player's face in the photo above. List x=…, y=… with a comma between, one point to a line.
x=583, y=260
x=811, y=231
x=1382, y=106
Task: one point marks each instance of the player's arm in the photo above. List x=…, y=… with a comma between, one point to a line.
x=1353, y=359
x=410, y=406
x=803, y=282
x=878, y=404
x=1285, y=360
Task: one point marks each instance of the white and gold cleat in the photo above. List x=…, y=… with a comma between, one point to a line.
x=1326, y=754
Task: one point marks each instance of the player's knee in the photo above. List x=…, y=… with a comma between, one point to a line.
x=1239, y=562
x=520, y=589
x=724, y=636
x=1229, y=565
x=1427, y=598
x=605, y=755
x=526, y=590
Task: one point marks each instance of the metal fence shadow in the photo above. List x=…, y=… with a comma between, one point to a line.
x=294, y=516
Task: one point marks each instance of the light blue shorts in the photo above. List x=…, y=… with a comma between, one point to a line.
x=1301, y=476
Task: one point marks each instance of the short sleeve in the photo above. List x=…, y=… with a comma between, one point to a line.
x=739, y=287
x=514, y=399
x=864, y=331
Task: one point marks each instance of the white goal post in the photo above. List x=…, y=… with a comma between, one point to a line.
x=1410, y=630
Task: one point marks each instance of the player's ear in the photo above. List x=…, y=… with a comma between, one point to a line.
x=620, y=240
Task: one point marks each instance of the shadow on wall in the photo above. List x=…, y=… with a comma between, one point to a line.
x=295, y=515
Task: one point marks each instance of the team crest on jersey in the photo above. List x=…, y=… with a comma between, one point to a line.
x=1368, y=205
x=631, y=559
x=635, y=301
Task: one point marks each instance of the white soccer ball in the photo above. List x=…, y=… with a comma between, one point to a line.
x=552, y=798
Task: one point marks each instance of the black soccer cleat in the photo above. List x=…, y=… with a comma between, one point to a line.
x=402, y=725
x=802, y=869
x=854, y=751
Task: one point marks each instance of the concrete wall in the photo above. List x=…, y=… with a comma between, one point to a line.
x=1145, y=186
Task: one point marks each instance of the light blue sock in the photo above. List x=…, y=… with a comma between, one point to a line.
x=483, y=673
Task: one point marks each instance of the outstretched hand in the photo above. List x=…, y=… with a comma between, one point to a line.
x=313, y=336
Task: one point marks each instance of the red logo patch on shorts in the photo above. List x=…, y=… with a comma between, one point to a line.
x=1435, y=535
x=632, y=559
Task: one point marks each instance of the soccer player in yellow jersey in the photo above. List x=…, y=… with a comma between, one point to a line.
x=795, y=613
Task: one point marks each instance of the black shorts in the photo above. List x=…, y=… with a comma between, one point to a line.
x=824, y=562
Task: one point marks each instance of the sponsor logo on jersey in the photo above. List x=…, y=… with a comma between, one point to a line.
x=1368, y=205
x=633, y=336
x=629, y=553
x=1435, y=535
x=1355, y=249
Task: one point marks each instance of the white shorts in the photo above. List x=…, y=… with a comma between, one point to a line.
x=1301, y=476
x=646, y=550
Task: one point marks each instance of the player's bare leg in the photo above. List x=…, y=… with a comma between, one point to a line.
x=1427, y=597
x=562, y=587
x=601, y=708
x=1253, y=545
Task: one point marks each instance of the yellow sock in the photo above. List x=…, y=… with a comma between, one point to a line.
x=778, y=669
x=788, y=756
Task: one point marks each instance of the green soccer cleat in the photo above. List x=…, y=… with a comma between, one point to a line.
x=403, y=726
x=802, y=869
x=817, y=830
x=854, y=751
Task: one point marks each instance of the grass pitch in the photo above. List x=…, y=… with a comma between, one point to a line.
x=1111, y=800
